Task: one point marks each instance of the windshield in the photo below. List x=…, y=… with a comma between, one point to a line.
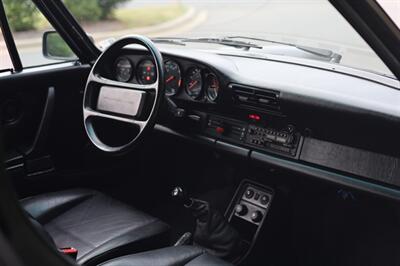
x=305, y=24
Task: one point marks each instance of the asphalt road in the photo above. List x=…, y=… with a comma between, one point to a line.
x=307, y=22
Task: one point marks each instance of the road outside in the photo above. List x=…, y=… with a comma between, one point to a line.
x=308, y=22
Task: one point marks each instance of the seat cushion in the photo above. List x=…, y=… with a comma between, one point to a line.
x=98, y=226
x=171, y=256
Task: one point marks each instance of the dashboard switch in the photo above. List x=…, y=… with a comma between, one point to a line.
x=249, y=193
x=241, y=209
x=256, y=216
x=264, y=200
x=220, y=130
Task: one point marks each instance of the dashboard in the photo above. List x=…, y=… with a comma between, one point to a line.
x=332, y=123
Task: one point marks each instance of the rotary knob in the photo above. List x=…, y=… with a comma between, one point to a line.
x=249, y=193
x=256, y=216
x=241, y=209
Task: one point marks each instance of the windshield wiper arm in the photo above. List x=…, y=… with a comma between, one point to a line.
x=168, y=40
x=325, y=53
x=224, y=41
x=221, y=41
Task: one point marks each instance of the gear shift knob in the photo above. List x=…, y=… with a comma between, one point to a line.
x=180, y=195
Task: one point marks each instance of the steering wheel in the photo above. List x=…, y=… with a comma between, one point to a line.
x=134, y=104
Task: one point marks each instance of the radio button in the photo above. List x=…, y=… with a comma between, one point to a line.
x=281, y=139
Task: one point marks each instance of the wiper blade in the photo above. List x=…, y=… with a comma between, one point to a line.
x=221, y=41
x=325, y=53
x=168, y=41
x=224, y=41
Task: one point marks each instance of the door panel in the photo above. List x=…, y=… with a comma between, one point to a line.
x=41, y=117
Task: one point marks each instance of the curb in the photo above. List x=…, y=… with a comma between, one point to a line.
x=171, y=25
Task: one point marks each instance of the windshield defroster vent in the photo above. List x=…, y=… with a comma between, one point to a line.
x=255, y=98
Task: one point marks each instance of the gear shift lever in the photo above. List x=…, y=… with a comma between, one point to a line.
x=212, y=232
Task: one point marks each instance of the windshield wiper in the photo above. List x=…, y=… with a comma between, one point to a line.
x=168, y=41
x=221, y=41
x=228, y=41
x=325, y=53
x=225, y=41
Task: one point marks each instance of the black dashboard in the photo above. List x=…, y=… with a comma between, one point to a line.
x=334, y=123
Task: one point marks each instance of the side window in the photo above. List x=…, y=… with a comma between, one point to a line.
x=5, y=60
x=28, y=26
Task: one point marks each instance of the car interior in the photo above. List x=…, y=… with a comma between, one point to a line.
x=144, y=154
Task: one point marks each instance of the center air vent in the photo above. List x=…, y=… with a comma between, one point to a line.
x=260, y=99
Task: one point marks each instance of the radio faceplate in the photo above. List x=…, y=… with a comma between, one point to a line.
x=283, y=141
x=273, y=139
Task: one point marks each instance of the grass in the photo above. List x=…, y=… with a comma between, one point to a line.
x=148, y=16
x=135, y=17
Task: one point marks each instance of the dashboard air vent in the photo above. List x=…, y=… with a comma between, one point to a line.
x=255, y=98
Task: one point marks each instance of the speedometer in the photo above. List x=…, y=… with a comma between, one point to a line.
x=173, y=78
x=194, y=82
x=123, y=69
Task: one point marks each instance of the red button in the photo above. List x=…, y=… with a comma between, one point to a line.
x=220, y=130
x=254, y=117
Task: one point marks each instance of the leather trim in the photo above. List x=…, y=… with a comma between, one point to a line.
x=179, y=255
x=150, y=236
x=100, y=227
x=44, y=208
x=170, y=256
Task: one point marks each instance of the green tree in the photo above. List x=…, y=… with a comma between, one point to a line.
x=21, y=14
x=107, y=7
x=84, y=10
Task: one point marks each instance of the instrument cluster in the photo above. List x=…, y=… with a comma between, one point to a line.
x=182, y=79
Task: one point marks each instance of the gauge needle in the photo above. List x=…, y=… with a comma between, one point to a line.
x=191, y=85
x=170, y=79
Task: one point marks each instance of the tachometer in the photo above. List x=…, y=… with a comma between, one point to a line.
x=173, y=78
x=146, y=72
x=194, y=82
x=123, y=69
x=212, y=87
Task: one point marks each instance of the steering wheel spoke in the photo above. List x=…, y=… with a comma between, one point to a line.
x=87, y=113
x=113, y=83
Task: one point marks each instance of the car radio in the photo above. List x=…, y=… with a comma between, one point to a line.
x=284, y=140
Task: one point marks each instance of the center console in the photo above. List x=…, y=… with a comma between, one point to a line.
x=248, y=211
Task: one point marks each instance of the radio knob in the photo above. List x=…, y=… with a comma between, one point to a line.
x=290, y=128
x=241, y=209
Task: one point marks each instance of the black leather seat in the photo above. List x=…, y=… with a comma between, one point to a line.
x=171, y=256
x=100, y=227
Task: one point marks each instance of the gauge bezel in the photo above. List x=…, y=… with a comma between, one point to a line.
x=194, y=97
x=181, y=78
x=133, y=72
x=138, y=76
x=208, y=76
